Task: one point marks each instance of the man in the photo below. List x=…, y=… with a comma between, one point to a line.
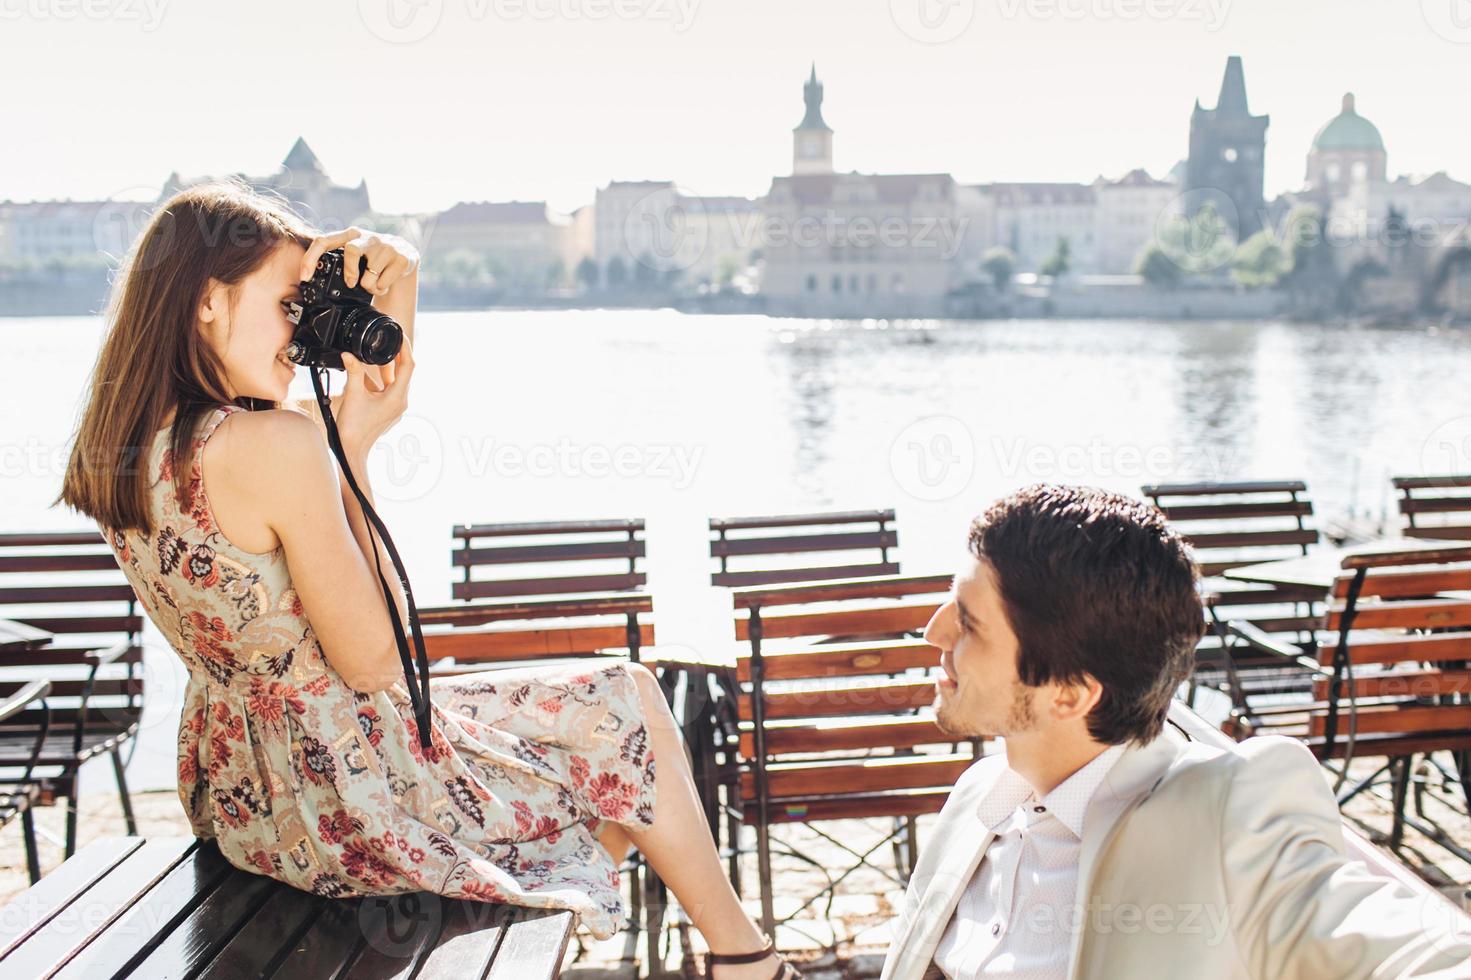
x=1102, y=843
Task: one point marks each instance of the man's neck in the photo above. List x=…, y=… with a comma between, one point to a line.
x=1046, y=759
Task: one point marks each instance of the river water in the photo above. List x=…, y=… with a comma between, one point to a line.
x=543, y=415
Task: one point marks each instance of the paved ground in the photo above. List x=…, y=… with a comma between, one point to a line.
x=859, y=914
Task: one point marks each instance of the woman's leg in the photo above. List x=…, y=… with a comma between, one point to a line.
x=679, y=847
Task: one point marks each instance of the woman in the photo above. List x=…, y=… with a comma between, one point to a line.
x=298, y=749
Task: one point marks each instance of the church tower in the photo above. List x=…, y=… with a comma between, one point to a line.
x=812, y=140
x=1227, y=152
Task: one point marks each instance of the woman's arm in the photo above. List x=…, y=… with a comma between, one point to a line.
x=291, y=478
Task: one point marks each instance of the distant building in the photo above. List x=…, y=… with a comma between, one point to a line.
x=303, y=182
x=1347, y=151
x=36, y=232
x=812, y=139
x=1031, y=219
x=1226, y=165
x=1131, y=212
x=633, y=241
x=526, y=245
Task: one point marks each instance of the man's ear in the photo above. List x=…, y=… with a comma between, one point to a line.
x=1075, y=700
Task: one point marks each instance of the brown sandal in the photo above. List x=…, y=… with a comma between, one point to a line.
x=785, y=971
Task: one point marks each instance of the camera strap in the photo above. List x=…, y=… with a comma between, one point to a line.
x=418, y=696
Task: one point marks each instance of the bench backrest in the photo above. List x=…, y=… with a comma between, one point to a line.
x=548, y=558
x=1435, y=506
x=494, y=633
x=830, y=726
x=1401, y=633
x=68, y=584
x=1235, y=524
x=802, y=547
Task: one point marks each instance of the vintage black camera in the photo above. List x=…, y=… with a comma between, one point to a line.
x=333, y=318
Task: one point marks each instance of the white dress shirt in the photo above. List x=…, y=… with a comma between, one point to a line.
x=1017, y=916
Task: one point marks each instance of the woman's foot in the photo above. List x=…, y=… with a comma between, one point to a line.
x=762, y=964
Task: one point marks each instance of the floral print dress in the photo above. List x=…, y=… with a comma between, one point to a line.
x=299, y=777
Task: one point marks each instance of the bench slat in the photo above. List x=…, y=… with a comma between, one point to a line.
x=68, y=931
x=32, y=909
x=267, y=937
x=114, y=951
x=528, y=938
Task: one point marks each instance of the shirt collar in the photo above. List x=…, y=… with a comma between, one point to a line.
x=1068, y=801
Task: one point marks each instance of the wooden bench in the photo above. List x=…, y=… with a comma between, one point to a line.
x=604, y=555
x=501, y=633
x=834, y=731
x=1432, y=512
x=1246, y=523
x=1391, y=673
x=68, y=583
x=789, y=554
x=173, y=906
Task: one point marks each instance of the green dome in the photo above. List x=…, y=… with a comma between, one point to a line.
x=1348, y=131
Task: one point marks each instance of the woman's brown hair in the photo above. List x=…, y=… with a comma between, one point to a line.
x=154, y=356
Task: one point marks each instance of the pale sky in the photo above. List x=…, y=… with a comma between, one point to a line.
x=549, y=99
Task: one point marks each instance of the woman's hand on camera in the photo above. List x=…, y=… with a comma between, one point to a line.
x=368, y=409
x=391, y=259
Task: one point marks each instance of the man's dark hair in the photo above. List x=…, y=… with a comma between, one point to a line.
x=1096, y=583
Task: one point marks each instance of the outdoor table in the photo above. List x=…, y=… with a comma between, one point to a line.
x=1317, y=571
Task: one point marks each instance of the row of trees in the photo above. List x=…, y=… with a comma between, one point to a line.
x=1201, y=246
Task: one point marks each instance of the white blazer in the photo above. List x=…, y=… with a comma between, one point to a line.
x=1202, y=862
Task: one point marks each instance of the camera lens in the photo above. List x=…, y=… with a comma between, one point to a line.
x=370, y=336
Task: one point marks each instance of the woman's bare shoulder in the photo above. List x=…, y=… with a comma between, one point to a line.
x=262, y=442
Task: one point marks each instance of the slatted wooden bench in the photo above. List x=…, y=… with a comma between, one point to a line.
x=791, y=554
x=831, y=731
x=1246, y=523
x=1435, y=506
x=514, y=558
x=1391, y=673
x=67, y=583
x=174, y=907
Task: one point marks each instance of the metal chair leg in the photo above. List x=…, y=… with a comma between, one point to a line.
x=33, y=856
x=763, y=863
x=122, y=788
x=1401, y=785
x=71, y=816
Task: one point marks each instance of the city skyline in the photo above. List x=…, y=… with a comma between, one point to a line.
x=551, y=109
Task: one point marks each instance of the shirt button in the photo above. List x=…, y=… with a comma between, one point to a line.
x=1039, y=809
x=996, y=929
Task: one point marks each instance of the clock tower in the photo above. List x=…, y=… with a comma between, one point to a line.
x=812, y=140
